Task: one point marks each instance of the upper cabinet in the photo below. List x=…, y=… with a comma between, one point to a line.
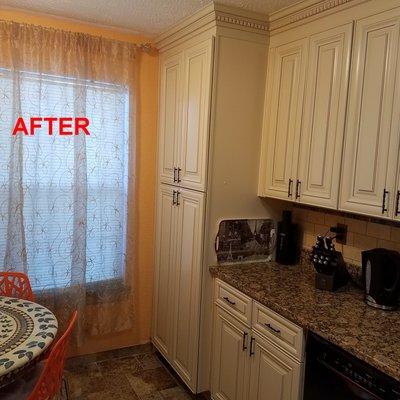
x=171, y=66
x=323, y=120
x=195, y=116
x=284, y=100
x=303, y=130
x=185, y=86
x=372, y=136
x=335, y=144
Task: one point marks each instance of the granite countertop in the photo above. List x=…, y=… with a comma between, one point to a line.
x=341, y=317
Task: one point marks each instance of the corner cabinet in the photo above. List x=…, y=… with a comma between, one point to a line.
x=304, y=121
x=372, y=137
x=256, y=355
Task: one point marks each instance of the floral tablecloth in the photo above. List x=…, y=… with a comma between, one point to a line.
x=26, y=330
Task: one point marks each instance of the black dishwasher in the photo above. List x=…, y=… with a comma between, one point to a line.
x=334, y=374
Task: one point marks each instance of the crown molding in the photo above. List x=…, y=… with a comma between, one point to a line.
x=211, y=17
x=307, y=9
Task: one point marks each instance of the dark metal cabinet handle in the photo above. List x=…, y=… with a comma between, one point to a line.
x=232, y=303
x=298, y=183
x=384, y=209
x=177, y=198
x=397, y=212
x=252, y=341
x=269, y=326
x=179, y=175
x=289, y=190
x=173, y=198
x=175, y=174
x=244, y=345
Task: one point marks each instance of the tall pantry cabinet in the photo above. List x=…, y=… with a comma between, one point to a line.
x=212, y=68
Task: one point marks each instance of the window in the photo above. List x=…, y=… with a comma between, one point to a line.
x=55, y=200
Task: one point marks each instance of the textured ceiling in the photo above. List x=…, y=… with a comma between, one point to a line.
x=145, y=16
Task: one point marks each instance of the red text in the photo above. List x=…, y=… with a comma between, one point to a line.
x=65, y=126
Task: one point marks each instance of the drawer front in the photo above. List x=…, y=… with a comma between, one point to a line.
x=232, y=300
x=279, y=330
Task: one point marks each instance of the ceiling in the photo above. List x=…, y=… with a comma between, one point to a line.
x=143, y=16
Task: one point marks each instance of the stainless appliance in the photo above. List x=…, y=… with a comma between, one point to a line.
x=334, y=374
x=381, y=276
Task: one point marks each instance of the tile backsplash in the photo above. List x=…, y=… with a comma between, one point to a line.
x=363, y=233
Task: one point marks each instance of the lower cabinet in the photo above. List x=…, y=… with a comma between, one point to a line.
x=230, y=357
x=180, y=216
x=248, y=365
x=273, y=374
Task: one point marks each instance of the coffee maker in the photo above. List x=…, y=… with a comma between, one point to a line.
x=381, y=277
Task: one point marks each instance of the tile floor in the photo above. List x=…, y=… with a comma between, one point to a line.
x=135, y=373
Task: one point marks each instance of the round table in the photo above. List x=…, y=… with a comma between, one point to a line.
x=26, y=330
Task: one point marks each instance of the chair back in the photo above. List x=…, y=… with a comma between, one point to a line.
x=49, y=382
x=16, y=284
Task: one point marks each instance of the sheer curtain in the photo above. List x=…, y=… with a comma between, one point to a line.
x=64, y=199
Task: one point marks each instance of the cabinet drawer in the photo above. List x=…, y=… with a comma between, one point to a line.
x=233, y=301
x=279, y=330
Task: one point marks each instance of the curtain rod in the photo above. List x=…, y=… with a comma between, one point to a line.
x=146, y=47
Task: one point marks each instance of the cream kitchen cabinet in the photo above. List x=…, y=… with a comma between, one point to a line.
x=372, y=132
x=170, y=115
x=257, y=359
x=178, y=278
x=303, y=130
x=192, y=171
x=285, y=86
x=318, y=173
x=212, y=72
x=273, y=374
x=185, y=85
x=230, y=357
x=164, y=271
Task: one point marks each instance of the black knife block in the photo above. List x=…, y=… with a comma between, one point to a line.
x=331, y=269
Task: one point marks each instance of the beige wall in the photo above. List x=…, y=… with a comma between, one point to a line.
x=146, y=145
x=363, y=233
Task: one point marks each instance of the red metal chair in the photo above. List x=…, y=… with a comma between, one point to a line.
x=44, y=381
x=16, y=284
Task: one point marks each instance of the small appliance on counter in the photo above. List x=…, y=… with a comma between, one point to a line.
x=287, y=247
x=381, y=276
x=331, y=269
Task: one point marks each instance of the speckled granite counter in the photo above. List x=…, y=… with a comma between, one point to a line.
x=342, y=317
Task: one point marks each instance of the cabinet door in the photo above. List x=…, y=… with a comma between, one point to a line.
x=324, y=117
x=187, y=284
x=170, y=115
x=195, y=120
x=164, y=263
x=230, y=357
x=372, y=132
x=282, y=122
x=273, y=374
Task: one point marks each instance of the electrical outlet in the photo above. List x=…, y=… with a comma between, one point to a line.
x=341, y=233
